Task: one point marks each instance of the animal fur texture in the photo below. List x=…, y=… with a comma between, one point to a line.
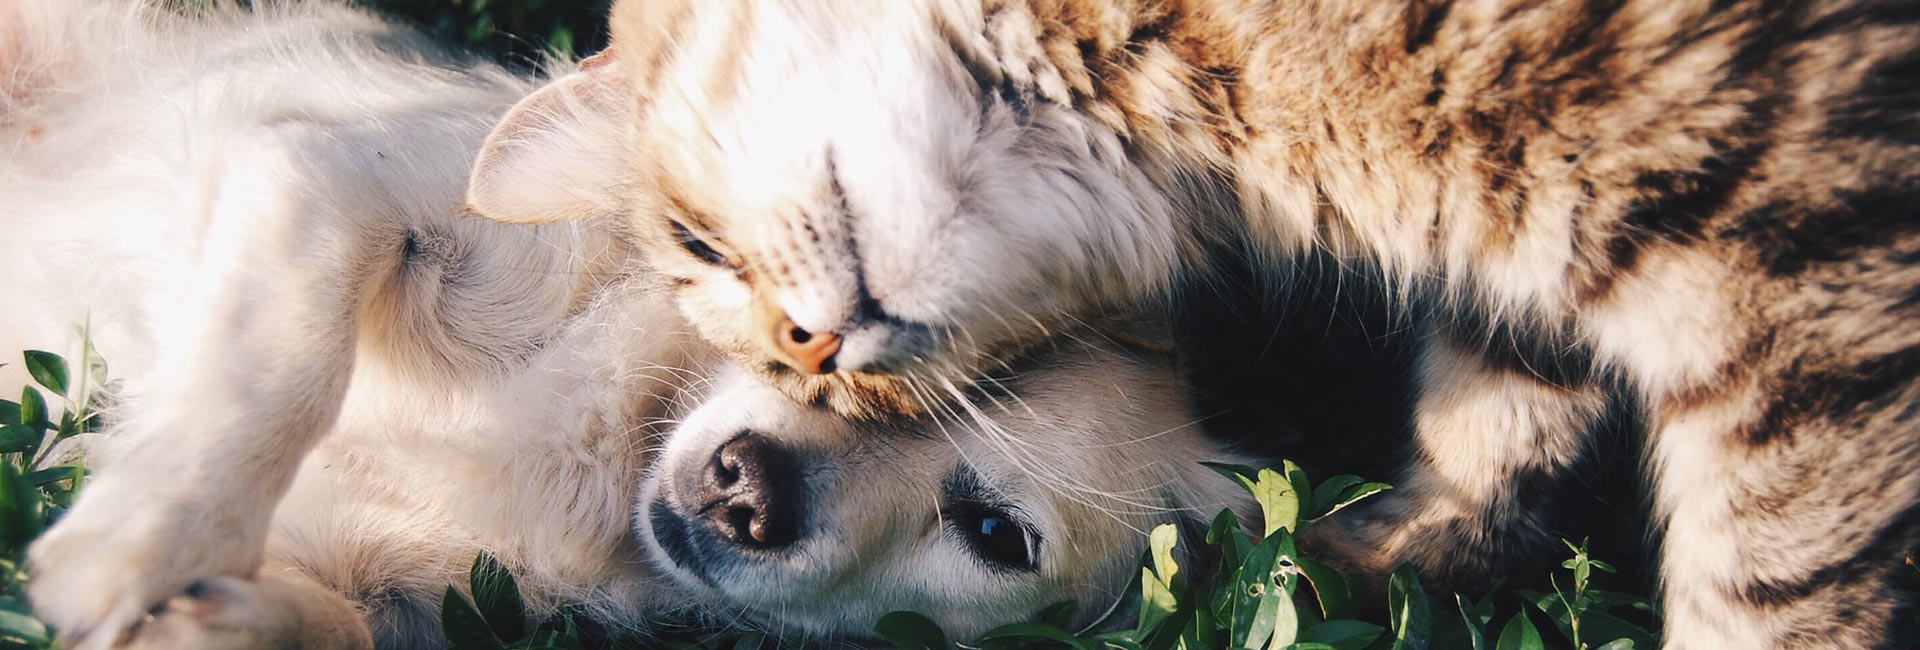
x=340, y=386
x=1705, y=206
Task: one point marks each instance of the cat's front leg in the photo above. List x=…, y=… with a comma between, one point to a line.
x=1489, y=437
x=255, y=366
x=1789, y=507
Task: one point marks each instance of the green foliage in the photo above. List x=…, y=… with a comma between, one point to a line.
x=511, y=30
x=1268, y=597
x=33, y=492
x=1263, y=595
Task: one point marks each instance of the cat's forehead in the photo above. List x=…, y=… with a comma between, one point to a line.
x=763, y=125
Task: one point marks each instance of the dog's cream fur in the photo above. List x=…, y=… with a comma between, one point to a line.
x=258, y=215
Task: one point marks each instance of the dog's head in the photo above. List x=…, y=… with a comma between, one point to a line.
x=1038, y=487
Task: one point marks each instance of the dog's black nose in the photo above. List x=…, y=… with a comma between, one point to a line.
x=751, y=493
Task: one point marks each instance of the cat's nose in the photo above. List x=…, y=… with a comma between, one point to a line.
x=810, y=351
x=751, y=492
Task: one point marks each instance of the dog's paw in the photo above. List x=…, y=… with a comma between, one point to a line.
x=113, y=558
x=214, y=614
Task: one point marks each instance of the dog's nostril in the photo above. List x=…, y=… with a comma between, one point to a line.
x=752, y=493
x=809, y=351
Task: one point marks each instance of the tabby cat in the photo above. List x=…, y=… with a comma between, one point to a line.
x=1705, y=206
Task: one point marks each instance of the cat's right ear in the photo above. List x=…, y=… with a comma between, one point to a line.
x=560, y=153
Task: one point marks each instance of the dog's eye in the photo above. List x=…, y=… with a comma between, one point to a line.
x=994, y=536
x=698, y=247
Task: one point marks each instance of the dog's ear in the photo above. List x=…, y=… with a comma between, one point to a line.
x=560, y=153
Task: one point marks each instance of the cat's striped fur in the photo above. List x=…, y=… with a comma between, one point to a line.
x=1709, y=204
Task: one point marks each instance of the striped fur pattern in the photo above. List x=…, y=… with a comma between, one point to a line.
x=1707, y=204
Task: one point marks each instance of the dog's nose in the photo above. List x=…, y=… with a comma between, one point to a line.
x=751, y=493
x=811, y=351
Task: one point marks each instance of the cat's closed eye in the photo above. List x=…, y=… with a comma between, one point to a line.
x=699, y=248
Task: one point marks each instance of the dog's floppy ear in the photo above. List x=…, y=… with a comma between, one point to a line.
x=560, y=153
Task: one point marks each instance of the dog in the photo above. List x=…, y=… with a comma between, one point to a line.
x=338, y=386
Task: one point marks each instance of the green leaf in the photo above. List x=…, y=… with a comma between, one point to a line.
x=21, y=509
x=1328, y=490
x=498, y=597
x=1329, y=588
x=1262, y=586
x=1520, y=634
x=911, y=631
x=33, y=408
x=1302, y=488
x=48, y=370
x=1594, y=624
x=1058, y=614
x=17, y=438
x=55, y=474
x=17, y=623
x=1040, y=631
x=1408, y=611
x=1474, y=623
x=1279, y=503
x=1161, y=542
x=9, y=412
x=464, y=627
x=1157, y=601
x=1243, y=474
x=1344, y=634
x=1354, y=495
x=1619, y=644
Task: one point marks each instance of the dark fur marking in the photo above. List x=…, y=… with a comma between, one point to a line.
x=1677, y=205
x=1519, y=345
x=1423, y=22
x=1839, y=394
x=1790, y=238
x=1885, y=107
x=1880, y=554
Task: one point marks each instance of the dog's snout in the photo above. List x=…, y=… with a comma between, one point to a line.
x=751, y=493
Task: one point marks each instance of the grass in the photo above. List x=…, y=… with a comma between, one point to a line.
x=1263, y=594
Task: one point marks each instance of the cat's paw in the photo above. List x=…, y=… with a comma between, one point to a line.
x=215, y=614
x=119, y=553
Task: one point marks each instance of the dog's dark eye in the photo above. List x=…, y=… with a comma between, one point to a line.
x=993, y=535
x=698, y=247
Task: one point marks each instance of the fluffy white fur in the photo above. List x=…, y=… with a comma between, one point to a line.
x=258, y=215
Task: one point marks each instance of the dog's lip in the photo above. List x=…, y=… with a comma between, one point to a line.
x=673, y=535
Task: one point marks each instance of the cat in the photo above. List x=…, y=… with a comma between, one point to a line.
x=337, y=387
x=1702, y=209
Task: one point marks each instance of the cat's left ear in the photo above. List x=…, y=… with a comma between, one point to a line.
x=560, y=153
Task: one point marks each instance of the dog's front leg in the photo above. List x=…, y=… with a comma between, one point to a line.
x=256, y=364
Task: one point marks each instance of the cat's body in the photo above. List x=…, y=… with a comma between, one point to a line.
x=1709, y=204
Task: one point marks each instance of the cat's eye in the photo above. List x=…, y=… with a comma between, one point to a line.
x=994, y=536
x=698, y=247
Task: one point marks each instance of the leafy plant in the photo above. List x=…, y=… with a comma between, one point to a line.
x=1268, y=597
x=34, y=492
x=1264, y=593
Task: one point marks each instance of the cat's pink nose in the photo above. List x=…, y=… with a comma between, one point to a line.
x=811, y=351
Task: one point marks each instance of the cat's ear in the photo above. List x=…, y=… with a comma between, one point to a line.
x=560, y=153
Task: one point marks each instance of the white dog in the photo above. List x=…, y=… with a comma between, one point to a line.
x=339, y=387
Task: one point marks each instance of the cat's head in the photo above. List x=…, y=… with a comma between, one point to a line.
x=1040, y=490
x=845, y=197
